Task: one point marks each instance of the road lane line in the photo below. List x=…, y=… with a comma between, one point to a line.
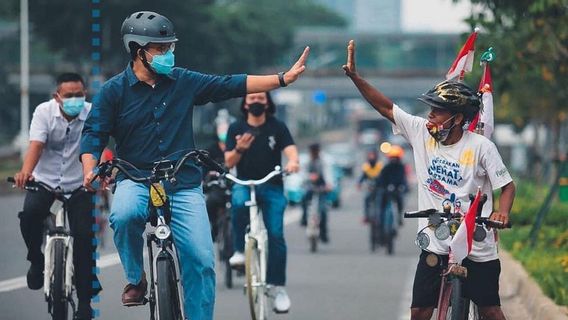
x=112, y=259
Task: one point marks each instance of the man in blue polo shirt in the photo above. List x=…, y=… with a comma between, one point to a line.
x=148, y=109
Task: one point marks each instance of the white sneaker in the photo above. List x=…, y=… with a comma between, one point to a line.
x=281, y=300
x=237, y=260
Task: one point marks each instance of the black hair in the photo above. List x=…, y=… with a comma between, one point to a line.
x=69, y=77
x=271, y=110
x=134, y=47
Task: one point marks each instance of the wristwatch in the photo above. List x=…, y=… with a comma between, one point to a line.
x=281, y=79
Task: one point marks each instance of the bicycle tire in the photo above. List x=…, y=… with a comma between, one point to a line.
x=167, y=293
x=313, y=244
x=255, y=289
x=389, y=227
x=59, y=303
x=456, y=300
x=226, y=252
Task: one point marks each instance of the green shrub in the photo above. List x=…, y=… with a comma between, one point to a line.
x=547, y=261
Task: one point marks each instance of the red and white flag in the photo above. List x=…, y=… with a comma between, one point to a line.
x=463, y=239
x=464, y=60
x=485, y=115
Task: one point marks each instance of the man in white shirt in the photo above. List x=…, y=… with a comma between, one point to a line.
x=450, y=164
x=53, y=158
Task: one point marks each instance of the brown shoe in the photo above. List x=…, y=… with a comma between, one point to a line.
x=134, y=295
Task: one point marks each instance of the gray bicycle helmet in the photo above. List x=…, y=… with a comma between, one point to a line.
x=144, y=27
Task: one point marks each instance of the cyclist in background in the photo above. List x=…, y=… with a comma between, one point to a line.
x=53, y=158
x=370, y=171
x=318, y=185
x=394, y=175
x=254, y=146
x=451, y=163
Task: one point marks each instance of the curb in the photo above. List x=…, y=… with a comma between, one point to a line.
x=520, y=285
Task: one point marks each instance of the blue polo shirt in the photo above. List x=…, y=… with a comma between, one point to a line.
x=154, y=123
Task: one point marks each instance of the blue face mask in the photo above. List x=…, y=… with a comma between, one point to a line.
x=163, y=64
x=73, y=106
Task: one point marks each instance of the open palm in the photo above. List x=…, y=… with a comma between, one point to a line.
x=349, y=68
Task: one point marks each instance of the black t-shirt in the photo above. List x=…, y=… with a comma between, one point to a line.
x=265, y=151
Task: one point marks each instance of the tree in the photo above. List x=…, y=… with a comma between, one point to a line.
x=530, y=38
x=215, y=36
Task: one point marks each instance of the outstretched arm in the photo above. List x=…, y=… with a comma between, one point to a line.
x=376, y=99
x=266, y=83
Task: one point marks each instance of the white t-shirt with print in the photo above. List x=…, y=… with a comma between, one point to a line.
x=453, y=172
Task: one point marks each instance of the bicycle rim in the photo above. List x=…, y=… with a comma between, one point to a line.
x=255, y=287
x=167, y=293
x=59, y=304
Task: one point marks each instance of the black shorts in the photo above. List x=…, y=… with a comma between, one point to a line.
x=481, y=285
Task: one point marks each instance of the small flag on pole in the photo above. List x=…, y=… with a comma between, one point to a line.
x=464, y=60
x=463, y=240
x=485, y=115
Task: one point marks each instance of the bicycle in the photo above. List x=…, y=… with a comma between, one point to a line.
x=224, y=233
x=375, y=237
x=58, y=252
x=452, y=305
x=386, y=223
x=256, y=249
x=315, y=216
x=165, y=295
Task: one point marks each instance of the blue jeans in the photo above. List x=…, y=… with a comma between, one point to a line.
x=192, y=238
x=272, y=203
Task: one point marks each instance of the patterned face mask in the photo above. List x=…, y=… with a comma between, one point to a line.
x=438, y=132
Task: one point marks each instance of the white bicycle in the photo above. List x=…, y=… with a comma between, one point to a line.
x=256, y=249
x=58, y=271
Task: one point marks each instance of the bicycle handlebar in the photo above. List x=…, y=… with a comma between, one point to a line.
x=481, y=220
x=201, y=157
x=35, y=185
x=277, y=171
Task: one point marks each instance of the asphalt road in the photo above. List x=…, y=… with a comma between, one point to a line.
x=343, y=280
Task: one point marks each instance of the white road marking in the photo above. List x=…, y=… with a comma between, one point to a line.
x=112, y=259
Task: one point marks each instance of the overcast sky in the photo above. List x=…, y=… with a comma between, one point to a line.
x=435, y=15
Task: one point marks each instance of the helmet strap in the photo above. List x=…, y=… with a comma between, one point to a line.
x=142, y=56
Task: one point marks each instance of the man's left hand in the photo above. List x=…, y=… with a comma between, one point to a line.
x=294, y=73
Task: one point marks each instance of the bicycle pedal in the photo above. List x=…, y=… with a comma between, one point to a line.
x=239, y=268
x=136, y=303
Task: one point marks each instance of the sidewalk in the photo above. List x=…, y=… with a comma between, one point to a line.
x=521, y=297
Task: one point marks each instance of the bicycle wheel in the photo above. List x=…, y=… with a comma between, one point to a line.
x=167, y=292
x=225, y=251
x=255, y=288
x=389, y=227
x=456, y=311
x=59, y=303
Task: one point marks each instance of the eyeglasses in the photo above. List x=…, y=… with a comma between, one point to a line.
x=162, y=47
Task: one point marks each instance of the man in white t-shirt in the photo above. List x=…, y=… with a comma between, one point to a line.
x=52, y=157
x=451, y=163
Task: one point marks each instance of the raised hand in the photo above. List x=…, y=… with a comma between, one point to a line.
x=298, y=68
x=349, y=68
